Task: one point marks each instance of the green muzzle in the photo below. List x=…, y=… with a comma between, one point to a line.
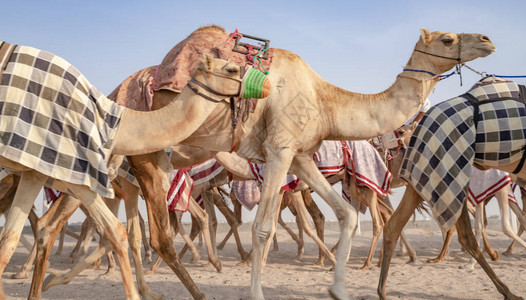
x=253, y=84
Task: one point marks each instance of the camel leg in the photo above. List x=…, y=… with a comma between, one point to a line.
x=347, y=216
x=134, y=237
x=151, y=171
x=49, y=226
x=411, y=252
x=237, y=213
x=296, y=238
x=145, y=243
x=206, y=218
x=278, y=163
x=372, y=201
x=233, y=223
x=178, y=226
x=502, y=197
x=445, y=247
x=24, y=271
x=28, y=188
x=61, y=240
x=194, y=231
x=517, y=212
x=468, y=241
x=479, y=220
x=84, y=237
x=319, y=222
x=301, y=210
x=392, y=231
x=494, y=255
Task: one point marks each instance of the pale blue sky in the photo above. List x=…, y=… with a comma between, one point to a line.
x=357, y=45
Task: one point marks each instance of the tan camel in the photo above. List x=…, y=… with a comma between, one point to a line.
x=218, y=75
x=301, y=111
x=458, y=215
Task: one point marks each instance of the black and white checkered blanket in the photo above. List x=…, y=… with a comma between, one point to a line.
x=449, y=139
x=53, y=120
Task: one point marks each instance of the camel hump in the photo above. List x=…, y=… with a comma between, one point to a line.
x=176, y=68
x=136, y=91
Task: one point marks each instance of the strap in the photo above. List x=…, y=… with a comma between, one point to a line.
x=522, y=94
x=521, y=162
x=475, y=103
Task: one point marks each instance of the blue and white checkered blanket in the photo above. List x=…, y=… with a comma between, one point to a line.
x=447, y=142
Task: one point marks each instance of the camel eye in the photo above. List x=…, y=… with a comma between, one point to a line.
x=447, y=41
x=231, y=70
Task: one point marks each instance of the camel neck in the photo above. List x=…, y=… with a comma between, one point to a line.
x=362, y=116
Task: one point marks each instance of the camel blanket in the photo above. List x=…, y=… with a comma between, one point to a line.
x=53, y=120
x=247, y=193
x=484, y=184
x=329, y=158
x=176, y=68
x=180, y=191
x=205, y=171
x=258, y=170
x=511, y=193
x=446, y=142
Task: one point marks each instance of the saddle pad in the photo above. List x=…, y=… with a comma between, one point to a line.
x=54, y=121
x=205, y=171
x=247, y=193
x=290, y=183
x=446, y=143
x=180, y=191
x=329, y=158
x=484, y=184
x=176, y=68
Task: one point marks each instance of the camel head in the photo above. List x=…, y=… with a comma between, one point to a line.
x=219, y=79
x=441, y=51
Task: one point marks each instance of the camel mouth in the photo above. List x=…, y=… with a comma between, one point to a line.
x=487, y=49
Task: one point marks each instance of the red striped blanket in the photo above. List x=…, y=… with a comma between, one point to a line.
x=483, y=184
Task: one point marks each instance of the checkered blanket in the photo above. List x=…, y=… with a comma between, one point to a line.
x=53, y=120
x=447, y=142
x=484, y=184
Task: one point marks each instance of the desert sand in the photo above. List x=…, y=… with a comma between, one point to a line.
x=286, y=277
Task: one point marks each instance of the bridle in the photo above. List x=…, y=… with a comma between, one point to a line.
x=194, y=85
x=457, y=59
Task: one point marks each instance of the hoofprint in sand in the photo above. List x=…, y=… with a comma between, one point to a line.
x=285, y=277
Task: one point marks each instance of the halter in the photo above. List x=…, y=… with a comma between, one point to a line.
x=193, y=84
x=457, y=59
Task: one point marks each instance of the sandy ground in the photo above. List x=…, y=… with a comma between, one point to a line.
x=286, y=277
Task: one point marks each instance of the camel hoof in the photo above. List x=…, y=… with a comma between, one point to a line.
x=320, y=262
x=494, y=256
x=434, y=260
x=216, y=264
x=108, y=274
x=50, y=281
x=365, y=267
x=244, y=263
x=337, y=292
x=195, y=258
x=150, y=272
x=20, y=275
x=149, y=295
x=220, y=246
x=507, y=253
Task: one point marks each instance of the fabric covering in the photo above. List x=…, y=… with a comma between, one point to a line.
x=54, y=121
x=258, y=170
x=176, y=67
x=445, y=144
x=484, y=184
x=247, y=193
x=180, y=191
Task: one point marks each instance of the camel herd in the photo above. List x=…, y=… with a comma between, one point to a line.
x=195, y=105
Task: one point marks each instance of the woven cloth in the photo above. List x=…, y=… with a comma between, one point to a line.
x=258, y=170
x=176, y=67
x=51, y=195
x=329, y=158
x=205, y=171
x=247, y=192
x=484, y=184
x=54, y=121
x=180, y=191
x=511, y=192
x=446, y=142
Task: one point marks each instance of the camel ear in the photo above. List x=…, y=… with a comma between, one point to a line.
x=426, y=36
x=206, y=62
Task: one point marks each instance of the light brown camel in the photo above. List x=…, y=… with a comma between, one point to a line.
x=219, y=75
x=301, y=111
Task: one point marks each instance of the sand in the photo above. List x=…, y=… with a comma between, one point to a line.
x=286, y=277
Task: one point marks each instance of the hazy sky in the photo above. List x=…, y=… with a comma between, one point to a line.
x=356, y=45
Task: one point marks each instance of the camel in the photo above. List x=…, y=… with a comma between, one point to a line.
x=219, y=76
x=301, y=111
x=456, y=213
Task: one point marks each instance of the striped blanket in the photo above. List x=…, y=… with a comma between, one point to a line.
x=451, y=137
x=484, y=184
x=53, y=120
